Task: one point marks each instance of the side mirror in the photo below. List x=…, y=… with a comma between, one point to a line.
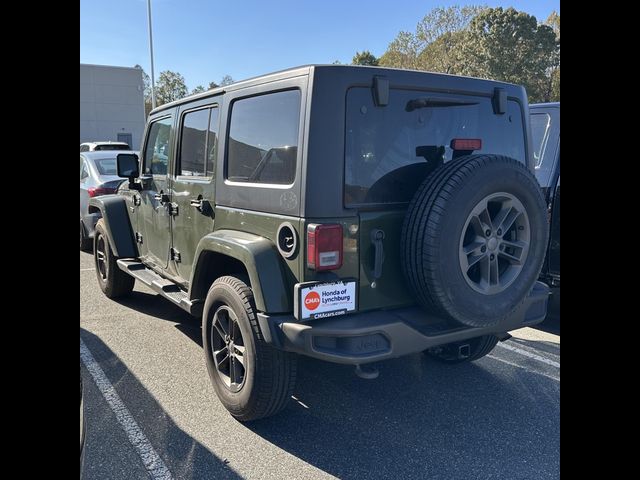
x=128, y=167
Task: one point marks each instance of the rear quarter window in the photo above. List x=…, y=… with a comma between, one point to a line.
x=262, y=145
x=390, y=150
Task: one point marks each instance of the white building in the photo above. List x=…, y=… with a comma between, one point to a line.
x=111, y=104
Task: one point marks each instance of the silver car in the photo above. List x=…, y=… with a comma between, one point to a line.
x=98, y=176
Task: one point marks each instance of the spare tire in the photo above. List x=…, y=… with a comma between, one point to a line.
x=474, y=239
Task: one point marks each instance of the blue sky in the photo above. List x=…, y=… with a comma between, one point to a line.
x=206, y=39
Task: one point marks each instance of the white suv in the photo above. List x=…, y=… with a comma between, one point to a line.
x=95, y=146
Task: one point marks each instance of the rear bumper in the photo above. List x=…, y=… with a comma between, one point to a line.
x=379, y=335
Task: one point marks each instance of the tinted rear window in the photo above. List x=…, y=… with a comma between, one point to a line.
x=106, y=166
x=112, y=147
x=389, y=150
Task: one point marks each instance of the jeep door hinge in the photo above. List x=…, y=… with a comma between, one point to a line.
x=175, y=255
x=173, y=209
x=138, y=237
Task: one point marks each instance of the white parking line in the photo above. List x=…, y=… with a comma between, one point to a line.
x=86, y=269
x=151, y=460
x=524, y=368
x=529, y=354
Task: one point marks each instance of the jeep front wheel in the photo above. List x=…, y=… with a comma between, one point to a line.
x=251, y=378
x=113, y=281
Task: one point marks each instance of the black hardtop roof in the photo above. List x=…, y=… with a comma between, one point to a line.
x=401, y=74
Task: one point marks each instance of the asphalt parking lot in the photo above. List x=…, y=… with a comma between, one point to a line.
x=152, y=413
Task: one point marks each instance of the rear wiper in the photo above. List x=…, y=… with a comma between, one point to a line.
x=433, y=102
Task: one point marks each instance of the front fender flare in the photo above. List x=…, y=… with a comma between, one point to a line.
x=116, y=219
x=262, y=261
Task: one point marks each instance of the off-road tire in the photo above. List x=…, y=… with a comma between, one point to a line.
x=435, y=224
x=270, y=374
x=113, y=282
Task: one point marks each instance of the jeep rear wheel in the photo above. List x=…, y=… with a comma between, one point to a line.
x=113, y=281
x=251, y=378
x=474, y=239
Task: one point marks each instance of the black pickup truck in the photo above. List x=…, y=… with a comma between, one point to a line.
x=545, y=134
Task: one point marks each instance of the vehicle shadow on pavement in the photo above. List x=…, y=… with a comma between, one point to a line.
x=154, y=305
x=184, y=456
x=421, y=419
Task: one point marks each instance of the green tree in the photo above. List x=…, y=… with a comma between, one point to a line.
x=440, y=55
x=198, y=89
x=511, y=46
x=213, y=85
x=365, y=58
x=440, y=21
x=553, y=92
x=146, y=84
x=402, y=52
x=226, y=80
x=432, y=46
x=170, y=87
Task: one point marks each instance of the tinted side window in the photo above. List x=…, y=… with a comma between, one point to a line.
x=540, y=126
x=84, y=148
x=156, y=154
x=263, y=138
x=193, y=143
x=199, y=141
x=543, y=148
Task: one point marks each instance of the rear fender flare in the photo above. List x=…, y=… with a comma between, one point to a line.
x=261, y=259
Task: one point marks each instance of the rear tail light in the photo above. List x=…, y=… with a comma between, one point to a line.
x=95, y=191
x=467, y=144
x=324, y=246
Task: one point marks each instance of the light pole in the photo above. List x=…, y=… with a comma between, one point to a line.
x=153, y=87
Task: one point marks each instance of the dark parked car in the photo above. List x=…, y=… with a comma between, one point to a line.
x=351, y=214
x=545, y=136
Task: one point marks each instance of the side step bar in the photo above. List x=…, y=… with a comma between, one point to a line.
x=161, y=285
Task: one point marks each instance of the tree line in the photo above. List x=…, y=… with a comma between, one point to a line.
x=476, y=41
x=172, y=86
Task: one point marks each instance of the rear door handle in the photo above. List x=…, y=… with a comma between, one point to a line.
x=202, y=205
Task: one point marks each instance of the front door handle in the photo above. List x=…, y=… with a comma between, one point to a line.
x=161, y=197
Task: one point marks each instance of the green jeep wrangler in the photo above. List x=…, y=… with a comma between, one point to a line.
x=351, y=214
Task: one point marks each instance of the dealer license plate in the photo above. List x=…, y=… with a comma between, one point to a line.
x=323, y=300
